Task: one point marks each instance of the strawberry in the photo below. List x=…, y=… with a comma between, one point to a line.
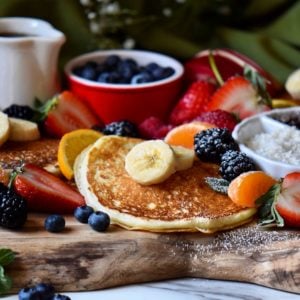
x=45, y=192
x=219, y=118
x=239, y=96
x=193, y=102
x=288, y=201
x=65, y=113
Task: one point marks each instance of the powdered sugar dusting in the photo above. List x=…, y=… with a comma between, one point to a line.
x=242, y=241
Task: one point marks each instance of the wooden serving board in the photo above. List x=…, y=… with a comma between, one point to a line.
x=81, y=259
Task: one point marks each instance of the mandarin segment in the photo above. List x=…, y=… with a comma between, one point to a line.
x=71, y=145
x=245, y=189
x=183, y=135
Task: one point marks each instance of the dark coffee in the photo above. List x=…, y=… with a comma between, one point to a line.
x=14, y=35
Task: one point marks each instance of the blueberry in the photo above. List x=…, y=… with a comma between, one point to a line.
x=114, y=77
x=99, y=221
x=55, y=223
x=151, y=67
x=158, y=73
x=82, y=213
x=88, y=73
x=141, y=78
x=61, y=297
x=103, y=77
x=112, y=61
x=29, y=293
x=168, y=71
x=45, y=290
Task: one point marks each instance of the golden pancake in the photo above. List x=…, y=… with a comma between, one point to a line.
x=183, y=202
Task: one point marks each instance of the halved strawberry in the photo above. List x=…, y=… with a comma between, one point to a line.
x=193, y=102
x=45, y=192
x=65, y=113
x=291, y=179
x=239, y=96
x=288, y=206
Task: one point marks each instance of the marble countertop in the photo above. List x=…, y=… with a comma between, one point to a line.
x=184, y=289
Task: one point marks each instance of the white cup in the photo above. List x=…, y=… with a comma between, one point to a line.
x=29, y=50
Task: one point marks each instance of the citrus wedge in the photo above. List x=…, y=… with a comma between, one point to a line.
x=71, y=145
x=183, y=135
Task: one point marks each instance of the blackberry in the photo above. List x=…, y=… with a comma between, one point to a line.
x=24, y=112
x=122, y=128
x=55, y=223
x=212, y=143
x=99, y=221
x=13, y=208
x=234, y=163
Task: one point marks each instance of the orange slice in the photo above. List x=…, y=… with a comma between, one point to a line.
x=245, y=189
x=183, y=135
x=70, y=145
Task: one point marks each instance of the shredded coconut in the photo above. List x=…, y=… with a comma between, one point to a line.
x=280, y=145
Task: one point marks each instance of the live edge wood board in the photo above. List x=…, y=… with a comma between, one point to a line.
x=80, y=259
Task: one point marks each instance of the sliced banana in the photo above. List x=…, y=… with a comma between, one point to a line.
x=4, y=128
x=292, y=84
x=150, y=162
x=184, y=158
x=23, y=130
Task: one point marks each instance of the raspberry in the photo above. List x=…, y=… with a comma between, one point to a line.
x=219, y=118
x=193, y=102
x=153, y=128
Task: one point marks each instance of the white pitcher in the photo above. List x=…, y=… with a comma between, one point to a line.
x=29, y=50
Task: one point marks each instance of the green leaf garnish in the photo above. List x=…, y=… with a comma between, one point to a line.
x=42, y=109
x=218, y=184
x=6, y=257
x=259, y=83
x=267, y=212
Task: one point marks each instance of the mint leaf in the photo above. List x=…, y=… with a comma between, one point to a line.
x=5, y=282
x=6, y=257
x=218, y=184
x=267, y=212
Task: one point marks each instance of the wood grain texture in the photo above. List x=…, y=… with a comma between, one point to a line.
x=81, y=259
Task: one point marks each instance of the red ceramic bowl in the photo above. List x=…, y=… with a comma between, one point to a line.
x=115, y=102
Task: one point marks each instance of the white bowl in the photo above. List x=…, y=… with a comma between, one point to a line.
x=265, y=123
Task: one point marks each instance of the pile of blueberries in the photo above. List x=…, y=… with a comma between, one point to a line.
x=115, y=70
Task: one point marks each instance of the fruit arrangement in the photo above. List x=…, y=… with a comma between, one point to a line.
x=222, y=88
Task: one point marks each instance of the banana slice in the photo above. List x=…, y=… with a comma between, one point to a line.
x=292, y=84
x=150, y=162
x=4, y=128
x=23, y=130
x=184, y=157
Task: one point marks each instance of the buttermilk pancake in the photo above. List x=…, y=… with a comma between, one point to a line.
x=183, y=202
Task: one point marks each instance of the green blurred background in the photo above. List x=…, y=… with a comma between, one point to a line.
x=267, y=31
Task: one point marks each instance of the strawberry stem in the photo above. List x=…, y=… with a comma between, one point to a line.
x=17, y=170
x=215, y=69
